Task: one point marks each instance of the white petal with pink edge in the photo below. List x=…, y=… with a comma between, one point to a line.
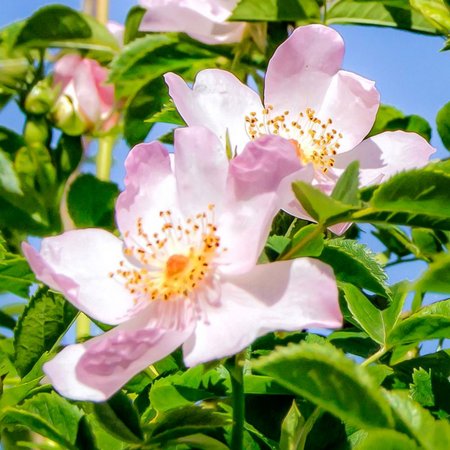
x=287, y=295
x=78, y=263
x=387, y=153
x=98, y=368
x=149, y=189
x=218, y=101
x=200, y=157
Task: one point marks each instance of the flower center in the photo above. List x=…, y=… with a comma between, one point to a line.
x=314, y=140
x=174, y=263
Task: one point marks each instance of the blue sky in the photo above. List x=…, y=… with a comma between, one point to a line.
x=410, y=72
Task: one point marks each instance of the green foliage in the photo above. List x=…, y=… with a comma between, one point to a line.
x=421, y=389
x=305, y=391
x=443, y=124
x=323, y=375
x=355, y=263
x=391, y=119
x=119, y=417
x=42, y=414
x=418, y=422
x=396, y=14
x=15, y=274
x=41, y=325
x=277, y=10
x=70, y=29
x=90, y=202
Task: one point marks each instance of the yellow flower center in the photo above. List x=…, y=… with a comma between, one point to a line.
x=314, y=139
x=171, y=264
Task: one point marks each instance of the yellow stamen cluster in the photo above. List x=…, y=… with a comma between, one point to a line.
x=173, y=263
x=314, y=140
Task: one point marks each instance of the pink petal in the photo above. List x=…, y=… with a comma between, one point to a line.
x=65, y=69
x=218, y=101
x=204, y=20
x=149, y=189
x=254, y=180
x=352, y=103
x=201, y=169
x=304, y=73
x=385, y=154
x=78, y=263
x=86, y=90
x=98, y=368
x=287, y=295
x=301, y=69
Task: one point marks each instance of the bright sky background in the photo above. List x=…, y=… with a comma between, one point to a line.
x=410, y=72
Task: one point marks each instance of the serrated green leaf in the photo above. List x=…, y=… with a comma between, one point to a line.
x=185, y=421
x=421, y=389
x=15, y=275
x=119, y=417
x=90, y=202
x=346, y=188
x=367, y=316
x=411, y=418
x=417, y=197
x=323, y=375
x=355, y=263
x=443, y=124
x=387, y=440
x=430, y=322
x=276, y=10
x=394, y=13
x=42, y=323
x=436, y=12
x=319, y=206
x=48, y=415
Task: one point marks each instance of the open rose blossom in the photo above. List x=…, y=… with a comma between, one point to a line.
x=86, y=102
x=325, y=112
x=186, y=270
x=203, y=20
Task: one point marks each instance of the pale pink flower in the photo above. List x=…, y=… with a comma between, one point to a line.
x=203, y=20
x=85, y=93
x=186, y=270
x=324, y=111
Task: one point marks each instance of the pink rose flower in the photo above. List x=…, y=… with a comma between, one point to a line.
x=324, y=111
x=85, y=94
x=203, y=20
x=186, y=270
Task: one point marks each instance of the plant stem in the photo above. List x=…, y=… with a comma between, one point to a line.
x=102, y=11
x=236, y=370
x=104, y=157
x=375, y=357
